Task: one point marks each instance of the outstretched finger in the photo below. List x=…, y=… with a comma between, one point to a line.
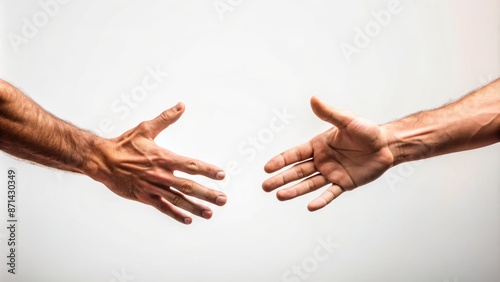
x=339, y=119
x=165, y=119
x=297, y=154
x=167, y=208
x=192, y=188
x=296, y=172
x=177, y=199
x=327, y=197
x=193, y=166
x=313, y=183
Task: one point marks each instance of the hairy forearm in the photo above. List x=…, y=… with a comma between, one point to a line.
x=31, y=133
x=471, y=122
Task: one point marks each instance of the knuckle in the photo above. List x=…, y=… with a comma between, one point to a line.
x=152, y=199
x=210, y=196
x=300, y=172
x=298, y=154
x=166, y=159
x=168, y=178
x=166, y=116
x=186, y=187
x=155, y=201
x=331, y=116
x=143, y=126
x=311, y=186
x=176, y=200
x=284, y=158
x=191, y=166
x=283, y=179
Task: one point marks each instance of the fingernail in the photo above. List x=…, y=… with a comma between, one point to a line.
x=178, y=107
x=188, y=220
x=206, y=214
x=221, y=200
x=220, y=175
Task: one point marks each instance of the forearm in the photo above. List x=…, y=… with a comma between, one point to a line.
x=31, y=133
x=471, y=122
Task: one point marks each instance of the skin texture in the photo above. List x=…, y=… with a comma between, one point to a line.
x=356, y=151
x=131, y=165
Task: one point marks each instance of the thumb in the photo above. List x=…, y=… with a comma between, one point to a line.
x=329, y=114
x=165, y=119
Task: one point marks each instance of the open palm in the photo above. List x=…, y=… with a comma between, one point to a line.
x=352, y=153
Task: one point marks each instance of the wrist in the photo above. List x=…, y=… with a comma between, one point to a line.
x=393, y=143
x=409, y=143
x=95, y=163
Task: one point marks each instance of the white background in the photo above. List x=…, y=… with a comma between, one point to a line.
x=440, y=221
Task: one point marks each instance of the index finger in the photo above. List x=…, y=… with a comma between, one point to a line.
x=297, y=154
x=193, y=166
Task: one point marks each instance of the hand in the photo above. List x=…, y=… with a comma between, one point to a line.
x=137, y=169
x=352, y=153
